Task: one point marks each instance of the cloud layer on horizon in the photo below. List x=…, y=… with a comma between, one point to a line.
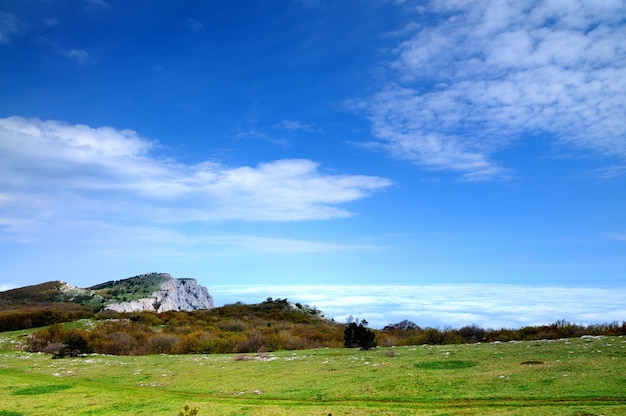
x=485, y=75
x=456, y=305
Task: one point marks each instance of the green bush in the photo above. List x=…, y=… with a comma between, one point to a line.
x=188, y=411
x=358, y=335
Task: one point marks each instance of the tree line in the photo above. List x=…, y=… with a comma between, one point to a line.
x=409, y=333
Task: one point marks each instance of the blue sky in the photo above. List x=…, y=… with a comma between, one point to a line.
x=312, y=148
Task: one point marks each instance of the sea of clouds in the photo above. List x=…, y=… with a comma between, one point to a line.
x=445, y=305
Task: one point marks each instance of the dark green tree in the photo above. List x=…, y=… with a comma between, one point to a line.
x=73, y=346
x=357, y=334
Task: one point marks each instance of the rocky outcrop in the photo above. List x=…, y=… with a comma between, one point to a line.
x=173, y=295
x=184, y=295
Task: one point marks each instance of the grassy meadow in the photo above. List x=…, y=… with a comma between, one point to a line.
x=578, y=376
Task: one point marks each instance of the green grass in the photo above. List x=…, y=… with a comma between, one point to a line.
x=565, y=377
x=43, y=389
x=447, y=364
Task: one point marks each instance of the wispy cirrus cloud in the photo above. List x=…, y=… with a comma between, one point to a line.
x=76, y=54
x=280, y=245
x=10, y=25
x=618, y=236
x=79, y=55
x=608, y=172
x=194, y=24
x=99, y=3
x=485, y=74
x=293, y=125
x=58, y=172
x=157, y=241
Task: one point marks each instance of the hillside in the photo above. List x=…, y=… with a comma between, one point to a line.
x=54, y=292
x=133, y=288
x=44, y=293
x=105, y=295
x=56, y=301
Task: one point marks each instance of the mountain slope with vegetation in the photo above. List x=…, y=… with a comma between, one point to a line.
x=133, y=288
x=56, y=301
x=55, y=292
x=44, y=293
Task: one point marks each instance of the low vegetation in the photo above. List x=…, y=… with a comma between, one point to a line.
x=408, y=333
x=239, y=328
x=42, y=315
x=133, y=288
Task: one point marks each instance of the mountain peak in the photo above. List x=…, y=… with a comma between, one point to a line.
x=171, y=295
x=147, y=292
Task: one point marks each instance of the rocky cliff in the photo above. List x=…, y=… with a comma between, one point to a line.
x=173, y=295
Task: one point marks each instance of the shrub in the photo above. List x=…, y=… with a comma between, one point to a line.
x=472, y=334
x=162, y=343
x=73, y=346
x=188, y=411
x=358, y=335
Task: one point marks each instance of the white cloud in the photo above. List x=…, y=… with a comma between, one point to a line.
x=99, y=3
x=283, y=245
x=618, y=236
x=487, y=305
x=187, y=244
x=612, y=171
x=292, y=125
x=486, y=73
x=194, y=24
x=79, y=55
x=52, y=172
x=9, y=26
x=50, y=21
x=283, y=190
x=253, y=133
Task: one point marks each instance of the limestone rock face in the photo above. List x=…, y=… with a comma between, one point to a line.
x=139, y=305
x=173, y=295
x=183, y=295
